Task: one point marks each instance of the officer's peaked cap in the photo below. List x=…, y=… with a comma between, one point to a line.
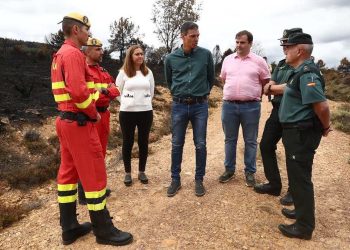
x=78, y=17
x=298, y=38
x=288, y=32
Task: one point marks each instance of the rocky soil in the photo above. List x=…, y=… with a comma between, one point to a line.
x=229, y=216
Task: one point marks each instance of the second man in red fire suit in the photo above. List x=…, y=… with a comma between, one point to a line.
x=104, y=83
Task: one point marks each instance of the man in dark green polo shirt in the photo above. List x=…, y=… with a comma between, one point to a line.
x=273, y=129
x=189, y=73
x=305, y=117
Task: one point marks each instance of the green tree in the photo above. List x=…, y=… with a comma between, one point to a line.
x=55, y=40
x=155, y=55
x=123, y=34
x=169, y=15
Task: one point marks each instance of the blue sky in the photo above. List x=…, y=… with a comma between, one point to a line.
x=326, y=20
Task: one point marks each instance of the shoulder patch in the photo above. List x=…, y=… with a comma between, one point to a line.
x=311, y=84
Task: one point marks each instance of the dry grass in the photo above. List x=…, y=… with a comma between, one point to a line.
x=11, y=214
x=337, y=85
x=341, y=118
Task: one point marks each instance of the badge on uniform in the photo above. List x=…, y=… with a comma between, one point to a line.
x=312, y=83
x=85, y=19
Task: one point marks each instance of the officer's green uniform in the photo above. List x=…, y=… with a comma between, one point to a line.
x=301, y=136
x=273, y=130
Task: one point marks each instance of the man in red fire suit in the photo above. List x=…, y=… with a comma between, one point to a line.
x=81, y=151
x=104, y=83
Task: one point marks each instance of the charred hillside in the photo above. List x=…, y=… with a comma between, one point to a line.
x=25, y=84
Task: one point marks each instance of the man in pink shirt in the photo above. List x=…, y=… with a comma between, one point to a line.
x=244, y=74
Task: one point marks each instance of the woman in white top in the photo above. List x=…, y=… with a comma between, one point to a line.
x=136, y=84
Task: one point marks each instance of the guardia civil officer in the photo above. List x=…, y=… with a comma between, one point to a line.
x=273, y=129
x=305, y=118
x=81, y=151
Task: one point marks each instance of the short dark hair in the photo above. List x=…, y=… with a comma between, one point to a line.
x=189, y=25
x=247, y=33
x=67, y=25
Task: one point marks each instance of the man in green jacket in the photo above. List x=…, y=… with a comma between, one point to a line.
x=189, y=73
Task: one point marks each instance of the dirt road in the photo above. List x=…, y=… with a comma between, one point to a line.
x=229, y=216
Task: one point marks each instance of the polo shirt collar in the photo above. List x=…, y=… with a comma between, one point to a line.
x=247, y=56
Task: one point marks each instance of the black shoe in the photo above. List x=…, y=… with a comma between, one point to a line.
x=106, y=233
x=143, y=178
x=128, y=180
x=173, y=188
x=289, y=213
x=226, y=176
x=199, y=188
x=249, y=179
x=71, y=229
x=267, y=189
x=292, y=231
x=287, y=200
x=68, y=237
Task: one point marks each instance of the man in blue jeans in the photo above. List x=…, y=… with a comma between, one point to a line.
x=245, y=74
x=189, y=72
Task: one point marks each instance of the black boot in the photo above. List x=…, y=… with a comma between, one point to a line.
x=81, y=194
x=106, y=233
x=71, y=229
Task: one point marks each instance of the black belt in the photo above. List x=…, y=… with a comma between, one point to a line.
x=241, y=102
x=102, y=109
x=310, y=123
x=190, y=100
x=80, y=117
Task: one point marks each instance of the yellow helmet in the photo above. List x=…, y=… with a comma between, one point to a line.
x=78, y=17
x=94, y=42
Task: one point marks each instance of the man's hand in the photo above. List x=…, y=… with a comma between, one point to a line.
x=326, y=131
x=267, y=88
x=98, y=117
